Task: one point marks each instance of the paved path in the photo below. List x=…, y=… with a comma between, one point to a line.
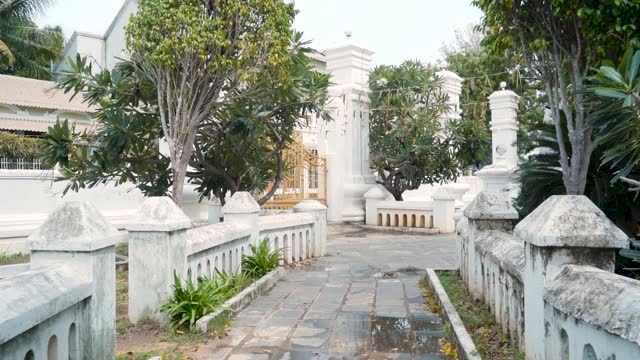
x=360, y=302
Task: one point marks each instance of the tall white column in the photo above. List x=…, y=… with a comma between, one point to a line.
x=347, y=136
x=504, y=134
x=451, y=84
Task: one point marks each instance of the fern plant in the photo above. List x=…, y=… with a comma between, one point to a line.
x=262, y=260
x=191, y=301
x=228, y=285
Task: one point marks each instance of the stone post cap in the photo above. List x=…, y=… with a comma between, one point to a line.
x=74, y=226
x=375, y=193
x=570, y=221
x=309, y=206
x=241, y=203
x=449, y=75
x=503, y=99
x=159, y=213
x=489, y=205
x=444, y=193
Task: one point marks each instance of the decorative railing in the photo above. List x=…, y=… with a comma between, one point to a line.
x=63, y=307
x=162, y=243
x=550, y=284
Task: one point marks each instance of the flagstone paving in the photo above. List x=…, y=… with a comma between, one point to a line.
x=362, y=301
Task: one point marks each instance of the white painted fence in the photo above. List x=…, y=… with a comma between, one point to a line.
x=161, y=242
x=437, y=213
x=63, y=307
x=550, y=284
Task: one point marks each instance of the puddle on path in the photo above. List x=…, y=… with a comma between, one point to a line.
x=417, y=336
x=365, y=334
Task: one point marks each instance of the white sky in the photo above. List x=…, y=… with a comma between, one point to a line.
x=395, y=30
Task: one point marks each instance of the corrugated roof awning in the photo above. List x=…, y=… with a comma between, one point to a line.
x=37, y=126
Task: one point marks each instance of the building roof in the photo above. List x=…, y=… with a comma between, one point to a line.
x=41, y=126
x=42, y=94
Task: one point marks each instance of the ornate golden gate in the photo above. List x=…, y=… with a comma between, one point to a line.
x=305, y=178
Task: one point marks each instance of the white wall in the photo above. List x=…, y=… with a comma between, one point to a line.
x=115, y=43
x=29, y=196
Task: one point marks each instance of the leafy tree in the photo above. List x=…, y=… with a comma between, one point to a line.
x=25, y=49
x=409, y=145
x=483, y=71
x=237, y=148
x=560, y=40
x=201, y=55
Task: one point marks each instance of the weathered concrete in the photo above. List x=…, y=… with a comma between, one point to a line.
x=599, y=298
x=563, y=230
x=361, y=299
x=68, y=296
x=570, y=221
x=463, y=341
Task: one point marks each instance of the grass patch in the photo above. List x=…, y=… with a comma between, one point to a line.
x=486, y=334
x=165, y=355
x=447, y=348
x=122, y=249
x=11, y=259
x=122, y=295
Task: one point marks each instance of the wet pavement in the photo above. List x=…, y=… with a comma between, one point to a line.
x=362, y=301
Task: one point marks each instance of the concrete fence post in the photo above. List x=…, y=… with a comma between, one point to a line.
x=77, y=235
x=242, y=208
x=488, y=211
x=319, y=240
x=215, y=210
x=444, y=207
x=373, y=198
x=156, y=251
x=565, y=229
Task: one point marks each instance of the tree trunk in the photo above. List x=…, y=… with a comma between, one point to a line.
x=179, y=175
x=397, y=196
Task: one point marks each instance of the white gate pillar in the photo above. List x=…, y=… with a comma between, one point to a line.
x=347, y=137
x=504, y=134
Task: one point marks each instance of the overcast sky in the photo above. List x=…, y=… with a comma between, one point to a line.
x=395, y=30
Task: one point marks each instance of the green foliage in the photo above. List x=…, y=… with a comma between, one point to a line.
x=16, y=146
x=540, y=177
x=471, y=141
x=25, y=49
x=615, y=95
x=238, y=149
x=6, y=259
x=487, y=335
x=408, y=145
x=261, y=260
x=559, y=41
x=605, y=27
x=483, y=71
x=239, y=35
x=125, y=146
x=191, y=301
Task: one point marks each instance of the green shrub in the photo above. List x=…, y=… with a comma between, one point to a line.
x=191, y=301
x=16, y=146
x=262, y=260
x=228, y=285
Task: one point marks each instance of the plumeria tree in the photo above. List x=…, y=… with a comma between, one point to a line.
x=409, y=144
x=237, y=148
x=203, y=54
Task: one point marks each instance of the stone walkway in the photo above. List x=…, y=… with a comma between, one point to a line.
x=362, y=301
